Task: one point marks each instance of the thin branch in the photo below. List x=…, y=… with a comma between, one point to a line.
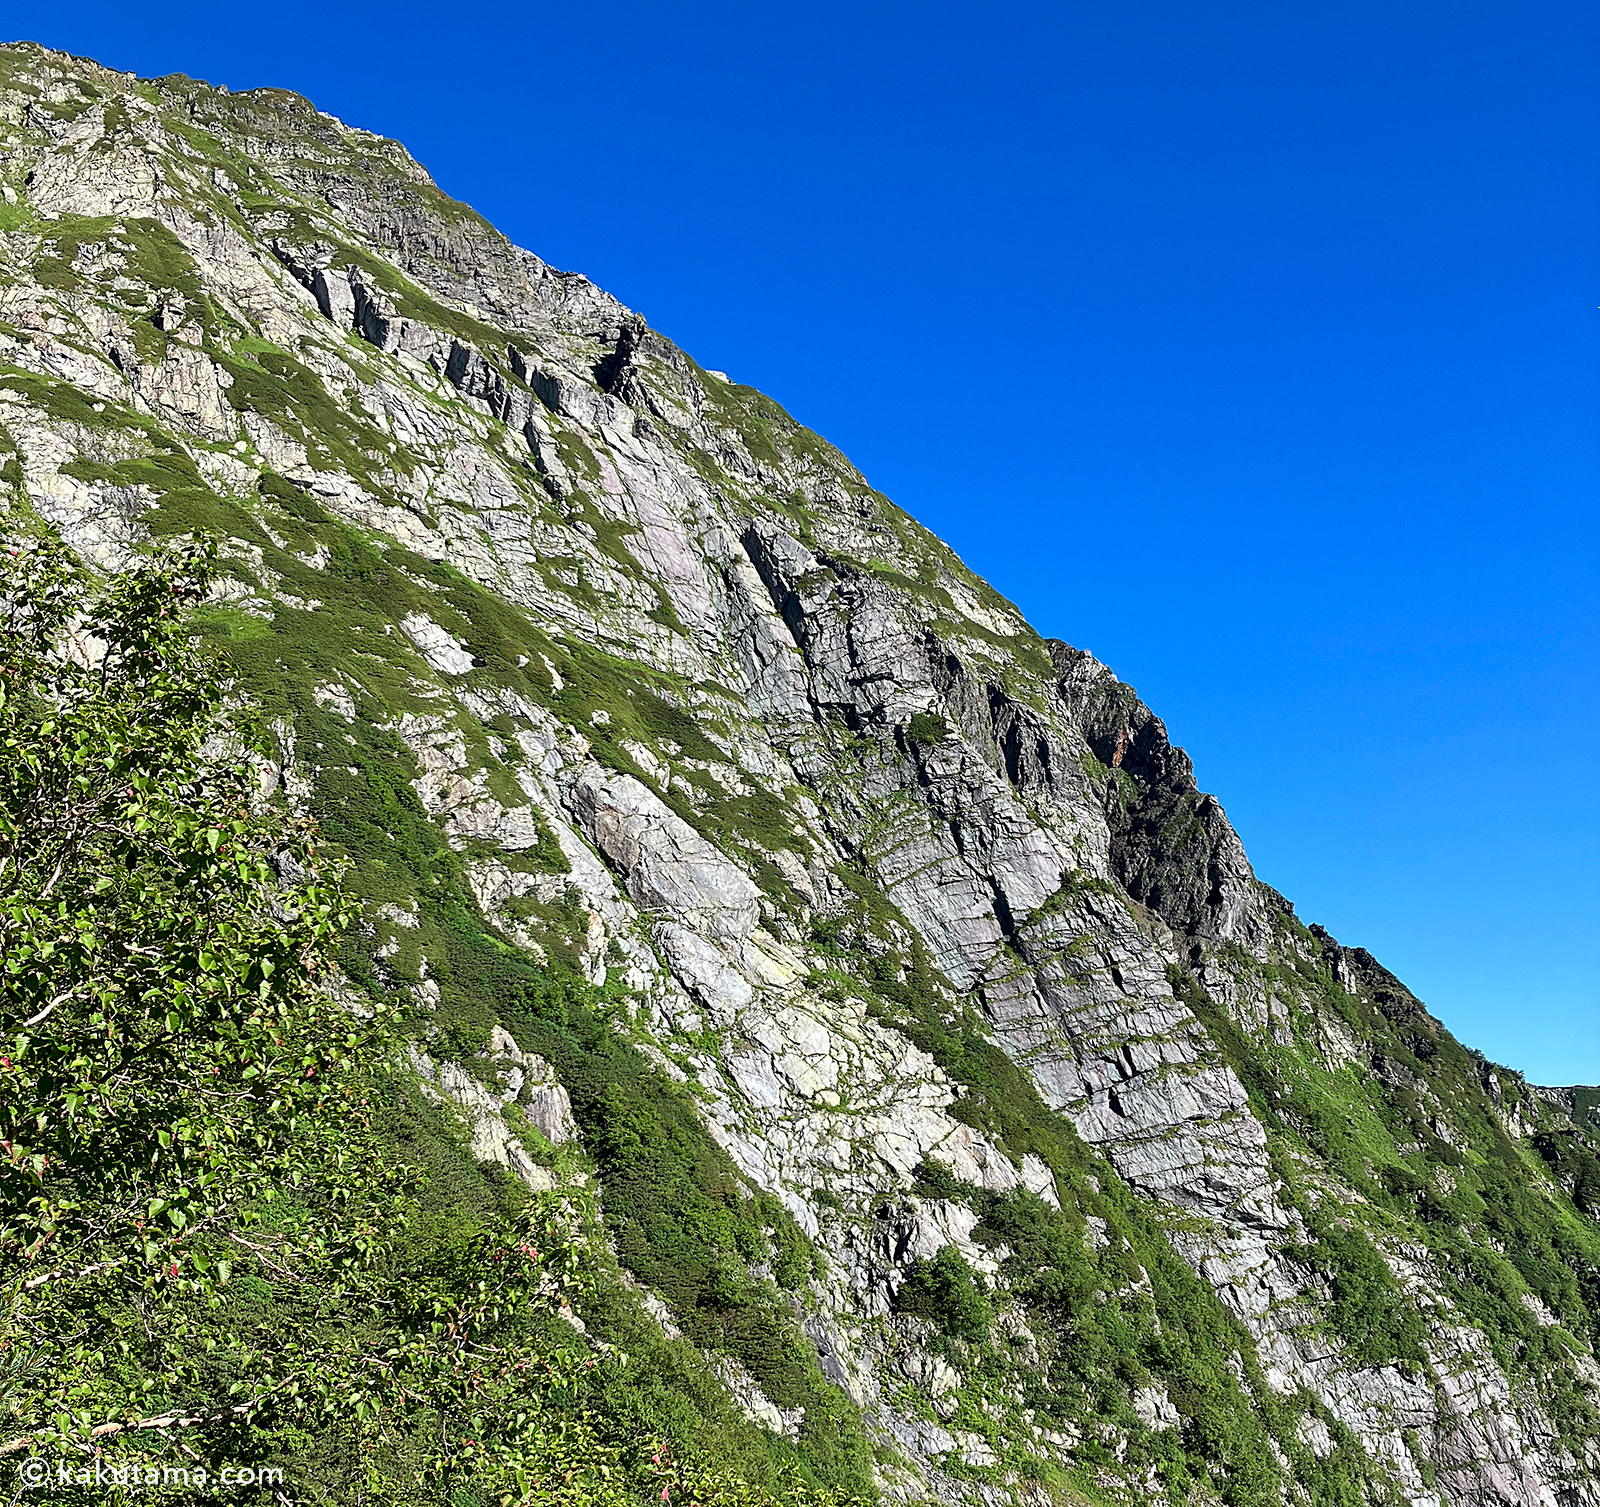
x=88, y=1271
x=163, y=1422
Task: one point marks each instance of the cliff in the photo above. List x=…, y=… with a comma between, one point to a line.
x=949, y=1080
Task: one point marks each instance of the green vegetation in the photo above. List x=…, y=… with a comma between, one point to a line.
x=1074, y=886
x=949, y=1294
x=683, y=1219
x=1496, y=1231
x=275, y=384
x=70, y=405
x=1377, y=1321
x=232, y=1231
x=233, y=1222
x=1111, y=1313
x=145, y=249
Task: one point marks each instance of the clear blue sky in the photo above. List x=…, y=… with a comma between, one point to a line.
x=1251, y=346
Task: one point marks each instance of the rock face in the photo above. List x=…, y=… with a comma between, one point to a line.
x=1118, y=1180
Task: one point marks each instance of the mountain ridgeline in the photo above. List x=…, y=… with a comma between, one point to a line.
x=963, y=1118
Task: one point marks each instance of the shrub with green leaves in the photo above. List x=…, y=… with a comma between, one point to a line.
x=946, y=1291
x=171, y=1054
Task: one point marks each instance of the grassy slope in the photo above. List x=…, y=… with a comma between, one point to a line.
x=1360, y=1147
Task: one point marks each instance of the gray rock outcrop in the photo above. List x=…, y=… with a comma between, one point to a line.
x=926, y=914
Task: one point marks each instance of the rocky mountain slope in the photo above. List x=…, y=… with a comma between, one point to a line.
x=949, y=1081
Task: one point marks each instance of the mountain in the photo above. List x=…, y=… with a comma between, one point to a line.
x=955, y=1094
